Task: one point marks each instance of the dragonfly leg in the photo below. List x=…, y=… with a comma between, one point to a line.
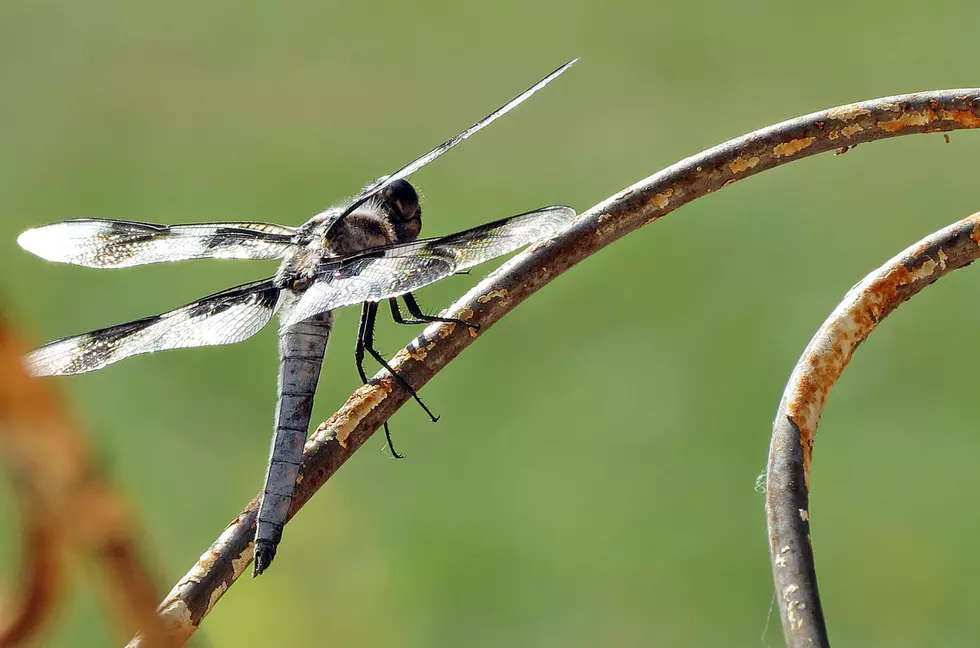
x=419, y=315
x=366, y=341
x=359, y=357
x=359, y=349
x=391, y=446
x=396, y=314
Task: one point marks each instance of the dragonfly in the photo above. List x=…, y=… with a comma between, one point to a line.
x=364, y=251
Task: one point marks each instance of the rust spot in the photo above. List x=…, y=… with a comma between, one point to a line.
x=792, y=604
x=403, y=354
x=240, y=564
x=834, y=345
x=498, y=294
x=473, y=332
x=466, y=313
x=907, y=119
x=841, y=150
x=847, y=131
x=924, y=271
x=847, y=113
x=975, y=234
x=890, y=107
x=792, y=147
x=804, y=515
x=419, y=354
x=942, y=259
x=662, y=199
x=834, y=134
x=178, y=616
x=962, y=117
x=216, y=594
x=447, y=330
x=656, y=217
x=740, y=164
x=602, y=231
x=345, y=420
x=209, y=558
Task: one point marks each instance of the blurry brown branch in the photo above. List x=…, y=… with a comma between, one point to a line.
x=42, y=578
x=337, y=438
x=66, y=505
x=795, y=427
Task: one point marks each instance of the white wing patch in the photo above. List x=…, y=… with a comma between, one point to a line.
x=105, y=243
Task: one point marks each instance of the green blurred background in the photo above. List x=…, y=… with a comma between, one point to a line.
x=592, y=480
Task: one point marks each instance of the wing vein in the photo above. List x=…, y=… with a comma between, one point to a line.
x=226, y=317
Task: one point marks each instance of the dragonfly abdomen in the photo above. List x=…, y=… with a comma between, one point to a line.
x=301, y=349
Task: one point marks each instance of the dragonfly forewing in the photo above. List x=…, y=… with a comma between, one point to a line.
x=107, y=243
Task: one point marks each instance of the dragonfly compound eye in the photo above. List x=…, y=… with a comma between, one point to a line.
x=402, y=200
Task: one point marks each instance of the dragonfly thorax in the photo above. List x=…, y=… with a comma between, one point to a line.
x=392, y=216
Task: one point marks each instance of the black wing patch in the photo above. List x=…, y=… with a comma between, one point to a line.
x=377, y=186
x=106, y=243
x=394, y=270
x=226, y=317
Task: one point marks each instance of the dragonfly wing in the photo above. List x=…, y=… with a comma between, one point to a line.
x=377, y=186
x=393, y=270
x=223, y=318
x=106, y=243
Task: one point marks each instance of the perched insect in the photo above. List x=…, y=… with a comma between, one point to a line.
x=361, y=252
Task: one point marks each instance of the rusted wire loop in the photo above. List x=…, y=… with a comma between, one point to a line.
x=67, y=504
x=337, y=438
x=823, y=361
x=42, y=583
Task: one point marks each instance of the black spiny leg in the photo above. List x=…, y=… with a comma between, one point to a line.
x=419, y=314
x=365, y=342
x=359, y=349
x=396, y=313
x=359, y=360
x=394, y=453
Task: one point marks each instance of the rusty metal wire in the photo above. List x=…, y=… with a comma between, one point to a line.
x=795, y=427
x=66, y=505
x=646, y=201
x=42, y=580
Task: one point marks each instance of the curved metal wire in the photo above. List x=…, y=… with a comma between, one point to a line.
x=644, y=202
x=66, y=504
x=795, y=427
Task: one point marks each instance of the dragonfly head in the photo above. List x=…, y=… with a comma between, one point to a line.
x=401, y=205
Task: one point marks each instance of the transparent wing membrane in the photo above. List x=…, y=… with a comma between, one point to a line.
x=376, y=187
x=106, y=243
x=223, y=318
x=394, y=270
